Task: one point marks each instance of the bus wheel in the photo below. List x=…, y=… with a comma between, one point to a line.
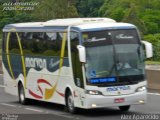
x=124, y=108
x=70, y=103
x=21, y=94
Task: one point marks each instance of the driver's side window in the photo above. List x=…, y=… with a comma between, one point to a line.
x=76, y=65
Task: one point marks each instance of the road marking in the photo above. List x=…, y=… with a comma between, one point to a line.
x=47, y=112
x=60, y=114
x=65, y=116
x=2, y=86
x=10, y=105
x=35, y=110
x=153, y=93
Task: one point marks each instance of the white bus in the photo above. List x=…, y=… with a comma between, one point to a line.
x=80, y=63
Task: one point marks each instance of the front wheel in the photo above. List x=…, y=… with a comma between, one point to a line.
x=70, y=103
x=124, y=108
x=21, y=94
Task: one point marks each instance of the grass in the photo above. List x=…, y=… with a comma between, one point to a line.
x=152, y=62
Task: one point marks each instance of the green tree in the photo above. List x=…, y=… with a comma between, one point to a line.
x=144, y=14
x=51, y=9
x=13, y=16
x=131, y=16
x=155, y=40
x=89, y=8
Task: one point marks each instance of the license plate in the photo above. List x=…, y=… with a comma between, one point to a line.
x=119, y=100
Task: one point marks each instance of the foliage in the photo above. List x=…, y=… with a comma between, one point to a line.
x=155, y=40
x=88, y=8
x=45, y=10
x=152, y=62
x=143, y=13
x=9, y=17
x=51, y=9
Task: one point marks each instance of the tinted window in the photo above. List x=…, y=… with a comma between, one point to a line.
x=125, y=36
x=46, y=44
x=13, y=43
x=36, y=43
x=77, y=66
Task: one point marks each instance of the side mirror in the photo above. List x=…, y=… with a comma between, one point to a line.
x=82, y=53
x=148, y=49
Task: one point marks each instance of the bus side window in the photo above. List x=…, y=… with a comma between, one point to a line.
x=13, y=44
x=41, y=43
x=76, y=65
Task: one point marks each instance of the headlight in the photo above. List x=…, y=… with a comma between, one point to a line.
x=93, y=92
x=140, y=89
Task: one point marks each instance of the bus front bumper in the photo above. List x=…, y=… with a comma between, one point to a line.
x=99, y=101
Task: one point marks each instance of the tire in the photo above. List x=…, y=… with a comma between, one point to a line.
x=21, y=95
x=124, y=108
x=70, y=103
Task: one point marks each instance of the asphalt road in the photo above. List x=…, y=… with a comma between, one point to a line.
x=36, y=110
x=1, y=80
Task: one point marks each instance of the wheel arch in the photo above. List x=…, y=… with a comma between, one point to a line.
x=68, y=89
x=20, y=82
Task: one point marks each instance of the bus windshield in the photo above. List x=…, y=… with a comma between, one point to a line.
x=113, y=57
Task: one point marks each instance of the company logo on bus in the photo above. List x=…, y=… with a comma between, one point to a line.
x=122, y=36
x=117, y=88
x=35, y=63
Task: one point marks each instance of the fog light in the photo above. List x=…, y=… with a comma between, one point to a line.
x=94, y=105
x=141, y=101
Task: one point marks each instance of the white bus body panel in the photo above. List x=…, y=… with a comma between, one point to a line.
x=107, y=99
x=81, y=99
x=10, y=84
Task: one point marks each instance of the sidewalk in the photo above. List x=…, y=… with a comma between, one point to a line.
x=153, y=77
x=153, y=67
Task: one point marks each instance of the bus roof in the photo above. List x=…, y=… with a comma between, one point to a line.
x=76, y=21
x=80, y=23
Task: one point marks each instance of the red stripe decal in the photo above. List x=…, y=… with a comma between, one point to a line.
x=44, y=81
x=61, y=94
x=40, y=89
x=35, y=95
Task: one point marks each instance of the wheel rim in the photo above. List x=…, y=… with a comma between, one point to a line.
x=70, y=103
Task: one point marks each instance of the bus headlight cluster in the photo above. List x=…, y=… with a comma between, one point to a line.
x=140, y=89
x=93, y=92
